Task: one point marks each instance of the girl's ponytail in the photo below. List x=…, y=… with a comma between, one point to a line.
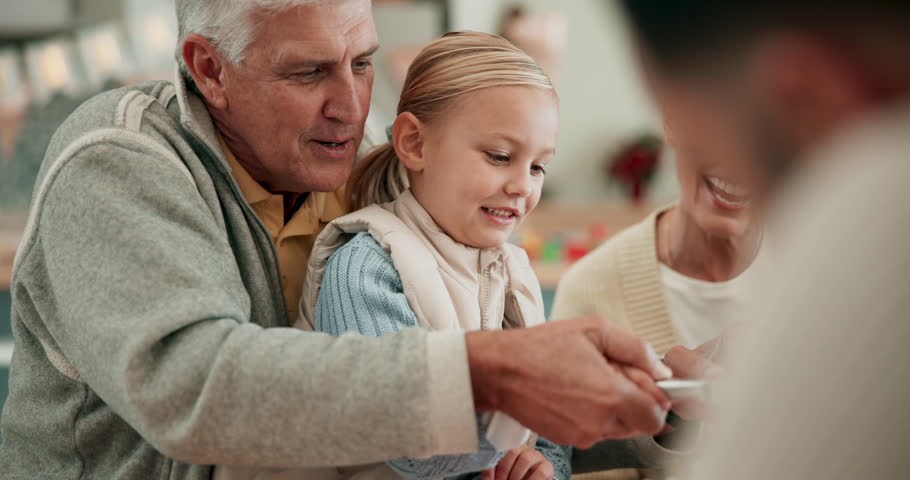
x=378, y=178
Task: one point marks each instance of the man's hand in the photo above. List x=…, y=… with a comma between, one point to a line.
x=522, y=463
x=575, y=381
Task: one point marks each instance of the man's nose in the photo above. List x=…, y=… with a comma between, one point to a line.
x=343, y=100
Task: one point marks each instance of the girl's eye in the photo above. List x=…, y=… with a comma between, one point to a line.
x=538, y=170
x=498, y=157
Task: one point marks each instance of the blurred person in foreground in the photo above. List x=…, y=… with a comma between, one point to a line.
x=817, y=95
x=679, y=278
x=680, y=275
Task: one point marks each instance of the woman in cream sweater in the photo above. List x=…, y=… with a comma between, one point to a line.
x=679, y=278
x=681, y=275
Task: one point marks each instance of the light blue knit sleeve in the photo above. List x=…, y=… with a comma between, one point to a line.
x=362, y=292
x=558, y=455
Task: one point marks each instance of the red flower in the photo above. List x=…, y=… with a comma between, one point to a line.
x=636, y=164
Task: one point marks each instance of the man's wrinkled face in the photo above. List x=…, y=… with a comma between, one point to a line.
x=297, y=103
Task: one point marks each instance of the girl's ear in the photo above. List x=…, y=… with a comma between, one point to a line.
x=407, y=137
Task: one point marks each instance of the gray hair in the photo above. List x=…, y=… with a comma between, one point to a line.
x=228, y=24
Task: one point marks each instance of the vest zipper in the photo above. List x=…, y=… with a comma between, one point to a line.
x=513, y=317
x=485, y=297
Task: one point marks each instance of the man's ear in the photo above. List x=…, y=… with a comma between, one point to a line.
x=205, y=65
x=407, y=137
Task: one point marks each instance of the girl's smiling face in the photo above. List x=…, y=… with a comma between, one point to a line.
x=478, y=169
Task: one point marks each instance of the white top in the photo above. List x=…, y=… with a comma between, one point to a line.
x=701, y=310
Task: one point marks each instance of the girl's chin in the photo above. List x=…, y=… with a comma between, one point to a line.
x=479, y=238
x=491, y=240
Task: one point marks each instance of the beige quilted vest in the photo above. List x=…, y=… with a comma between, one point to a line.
x=447, y=285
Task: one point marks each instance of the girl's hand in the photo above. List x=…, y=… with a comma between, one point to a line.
x=522, y=463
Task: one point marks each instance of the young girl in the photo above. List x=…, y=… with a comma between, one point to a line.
x=476, y=127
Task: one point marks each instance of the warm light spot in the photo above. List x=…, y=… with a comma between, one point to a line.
x=4, y=81
x=159, y=36
x=105, y=51
x=52, y=64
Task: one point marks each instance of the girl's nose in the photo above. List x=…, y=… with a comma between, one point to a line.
x=520, y=186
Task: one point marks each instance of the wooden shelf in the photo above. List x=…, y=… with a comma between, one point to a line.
x=552, y=218
x=549, y=274
x=577, y=219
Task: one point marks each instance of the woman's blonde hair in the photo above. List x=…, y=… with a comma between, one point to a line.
x=452, y=66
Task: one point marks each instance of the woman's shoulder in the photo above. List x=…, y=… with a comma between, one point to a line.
x=594, y=284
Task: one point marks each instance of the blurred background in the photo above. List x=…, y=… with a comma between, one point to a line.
x=611, y=168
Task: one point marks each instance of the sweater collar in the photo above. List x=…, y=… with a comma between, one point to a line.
x=195, y=118
x=642, y=289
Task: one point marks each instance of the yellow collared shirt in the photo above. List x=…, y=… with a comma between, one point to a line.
x=294, y=239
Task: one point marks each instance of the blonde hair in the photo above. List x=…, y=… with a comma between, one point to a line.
x=457, y=64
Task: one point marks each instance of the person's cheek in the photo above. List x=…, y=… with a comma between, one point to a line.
x=366, y=93
x=686, y=178
x=538, y=191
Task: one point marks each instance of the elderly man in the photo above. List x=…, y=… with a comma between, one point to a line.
x=817, y=94
x=162, y=264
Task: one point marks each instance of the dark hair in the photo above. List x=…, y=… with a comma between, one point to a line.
x=678, y=33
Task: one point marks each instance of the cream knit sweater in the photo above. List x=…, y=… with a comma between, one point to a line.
x=620, y=281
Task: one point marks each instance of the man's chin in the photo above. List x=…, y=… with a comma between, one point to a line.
x=326, y=180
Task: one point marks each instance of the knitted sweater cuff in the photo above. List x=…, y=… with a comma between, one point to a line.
x=451, y=397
